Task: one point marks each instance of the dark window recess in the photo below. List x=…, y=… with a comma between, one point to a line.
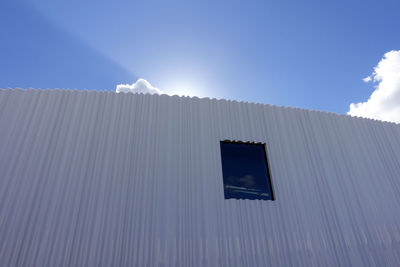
x=245, y=171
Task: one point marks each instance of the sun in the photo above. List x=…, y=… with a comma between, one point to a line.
x=184, y=89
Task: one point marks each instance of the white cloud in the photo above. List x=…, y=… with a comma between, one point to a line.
x=384, y=102
x=140, y=86
x=367, y=79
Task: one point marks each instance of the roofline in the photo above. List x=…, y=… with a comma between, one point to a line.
x=68, y=90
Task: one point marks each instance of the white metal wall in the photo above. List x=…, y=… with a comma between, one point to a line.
x=105, y=179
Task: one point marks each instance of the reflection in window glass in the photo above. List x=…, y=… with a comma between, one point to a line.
x=245, y=171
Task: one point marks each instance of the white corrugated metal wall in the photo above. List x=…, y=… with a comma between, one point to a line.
x=99, y=178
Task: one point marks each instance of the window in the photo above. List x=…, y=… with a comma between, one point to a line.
x=245, y=171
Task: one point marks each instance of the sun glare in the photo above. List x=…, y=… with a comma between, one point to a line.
x=183, y=89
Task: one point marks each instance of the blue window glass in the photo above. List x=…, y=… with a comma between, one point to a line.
x=245, y=171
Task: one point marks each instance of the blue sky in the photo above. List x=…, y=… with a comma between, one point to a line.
x=309, y=54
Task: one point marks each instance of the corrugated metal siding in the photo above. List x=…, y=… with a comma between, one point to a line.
x=104, y=179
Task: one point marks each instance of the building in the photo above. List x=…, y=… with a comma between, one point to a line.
x=93, y=178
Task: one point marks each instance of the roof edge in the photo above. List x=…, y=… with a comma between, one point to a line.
x=191, y=97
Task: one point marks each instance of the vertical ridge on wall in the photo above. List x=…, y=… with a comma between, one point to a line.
x=93, y=178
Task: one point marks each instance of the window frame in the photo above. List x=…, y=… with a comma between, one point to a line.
x=267, y=165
